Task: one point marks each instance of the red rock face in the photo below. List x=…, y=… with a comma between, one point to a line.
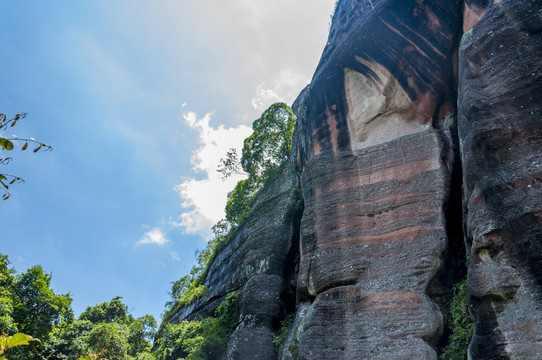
x=500, y=124
x=376, y=160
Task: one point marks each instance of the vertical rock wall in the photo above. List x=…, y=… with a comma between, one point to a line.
x=418, y=140
x=500, y=125
x=375, y=152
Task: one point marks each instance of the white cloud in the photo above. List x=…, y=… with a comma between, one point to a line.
x=285, y=87
x=238, y=45
x=155, y=236
x=204, y=199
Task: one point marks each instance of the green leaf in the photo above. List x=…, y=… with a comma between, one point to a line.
x=6, y=144
x=20, y=339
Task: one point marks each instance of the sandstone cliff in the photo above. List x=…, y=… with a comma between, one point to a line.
x=418, y=145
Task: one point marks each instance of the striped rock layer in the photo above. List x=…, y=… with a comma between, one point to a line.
x=382, y=166
x=418, y=142
x=375, y=149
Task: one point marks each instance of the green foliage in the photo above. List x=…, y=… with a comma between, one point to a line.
x=230, y=165
x=112, y=337
x=142, y=332
x=216, y=331
x=285, y=326
x=27, y=303
x=200, y=339
x=36, y=308
x=228, y=311
x=8, y=342
x=113, y=311
x=6, y=273
x=6, y=179
x=188, y=289
x=93, y=356
x=127, y=336
x=271, y=142
x=191, y=291
x=264, y=153
x=118, y=333
x=144, y=356
x=241, y=199
x=178, y=341
x=68, y=340
x=294, y=348
x=7, y=324
x=460, y=324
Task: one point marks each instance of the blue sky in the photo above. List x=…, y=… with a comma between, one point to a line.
x=139, y=100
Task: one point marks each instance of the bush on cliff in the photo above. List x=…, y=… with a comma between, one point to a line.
x=264, y=153
x=460, y=324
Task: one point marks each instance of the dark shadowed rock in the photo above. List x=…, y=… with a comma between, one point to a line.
x=500, y=125
x=261, y=307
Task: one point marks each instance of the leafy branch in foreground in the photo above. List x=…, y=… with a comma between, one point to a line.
x=7, y=342
x=7, y=144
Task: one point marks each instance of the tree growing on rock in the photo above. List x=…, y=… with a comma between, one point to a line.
x=264, y=152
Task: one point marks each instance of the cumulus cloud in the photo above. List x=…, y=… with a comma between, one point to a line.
x=284, y=88
x=204, y=199
x=155, y=236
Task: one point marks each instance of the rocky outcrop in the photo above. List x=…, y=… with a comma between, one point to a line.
x=376, y=156
x=418, y=144
x=500, y=126
x=258, y=262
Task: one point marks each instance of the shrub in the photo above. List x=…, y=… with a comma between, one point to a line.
x=460, y=324
x=285, y=326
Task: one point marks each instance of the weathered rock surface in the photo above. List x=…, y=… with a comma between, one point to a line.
x=375, y=151
x=500, y=125
x=423, y=120
x=259, y=262
x=261, y=307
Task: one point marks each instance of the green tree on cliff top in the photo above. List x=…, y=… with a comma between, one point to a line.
x=264, y=152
